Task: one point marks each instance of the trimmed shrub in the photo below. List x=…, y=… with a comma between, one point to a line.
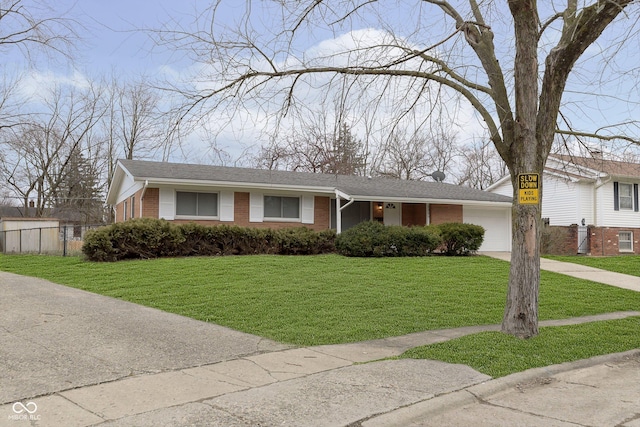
x=373, y=239
x=137, y=238
x=460, y=239
x=153, y=238
x=304, y=241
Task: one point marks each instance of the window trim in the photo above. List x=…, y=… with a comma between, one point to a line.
x=630, y=241
x=280, y=218
x=197, y=217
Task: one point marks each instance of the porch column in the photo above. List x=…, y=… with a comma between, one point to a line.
x=338, y=215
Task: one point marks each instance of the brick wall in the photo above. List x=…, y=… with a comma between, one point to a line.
x=557, y=240
x=603, y=241
x=151, y=203
x=322, y=213
x=440, y=214
x=119, y=211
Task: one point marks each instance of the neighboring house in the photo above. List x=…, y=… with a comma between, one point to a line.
x=590, y=203
x=266, y=198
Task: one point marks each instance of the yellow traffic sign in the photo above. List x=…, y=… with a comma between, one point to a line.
x=528, y=188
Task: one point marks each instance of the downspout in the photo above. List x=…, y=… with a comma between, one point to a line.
x=595, y=213
x=144, y=189
x=340, y=195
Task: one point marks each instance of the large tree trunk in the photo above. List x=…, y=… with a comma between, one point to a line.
x=521, y=311
x=528, y=155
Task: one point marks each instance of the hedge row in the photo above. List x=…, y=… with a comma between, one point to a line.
x=373, y=239
x=154, y=238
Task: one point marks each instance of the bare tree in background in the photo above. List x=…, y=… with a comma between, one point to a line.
x=131, y=126
x=38, y=154
x=318, y=147
x=481, y=165
x=416, y=156
x=486, y=52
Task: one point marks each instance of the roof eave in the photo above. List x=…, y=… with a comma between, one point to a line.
x=235, y=184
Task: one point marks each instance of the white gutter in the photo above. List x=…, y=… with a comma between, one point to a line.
x=603, y=182
x=144, y=190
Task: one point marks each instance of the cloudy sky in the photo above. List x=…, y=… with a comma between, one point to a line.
x=111, y=43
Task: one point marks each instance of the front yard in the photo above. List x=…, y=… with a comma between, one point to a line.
x=324, y=299
x=331, y=299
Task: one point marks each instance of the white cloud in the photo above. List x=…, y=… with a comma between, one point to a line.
x=36, y=85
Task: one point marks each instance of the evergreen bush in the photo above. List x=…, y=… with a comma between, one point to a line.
x=153, y=238
x=460, y=239
x=373, y=239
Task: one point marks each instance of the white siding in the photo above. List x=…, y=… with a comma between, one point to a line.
x=608, y=217
x=128, y=188
x=561, y=201
x=167, y=202
x=587, y=203
x=496, y=223
x=505, y=188
x=307, y=211
x=226, y=208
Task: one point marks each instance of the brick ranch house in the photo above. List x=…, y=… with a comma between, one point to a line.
x=213, y=195
x=590, y=205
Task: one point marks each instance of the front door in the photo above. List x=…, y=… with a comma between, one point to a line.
x=392, y=213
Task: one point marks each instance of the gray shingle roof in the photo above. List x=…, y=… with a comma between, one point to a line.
x=351, y=185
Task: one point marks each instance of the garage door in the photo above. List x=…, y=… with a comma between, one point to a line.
x=497, y=226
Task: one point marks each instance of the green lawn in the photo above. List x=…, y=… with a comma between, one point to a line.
x=324, y=299
x=497, y=354
x=626, y=264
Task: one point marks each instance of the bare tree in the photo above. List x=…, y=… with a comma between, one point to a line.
x=131, y=126
x=486, y=55
x=137, y=126
x=317, y=147
x=416, y=156
x=482, y=165
x=38, y=154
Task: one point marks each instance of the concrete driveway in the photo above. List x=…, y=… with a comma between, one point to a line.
x=57, y=338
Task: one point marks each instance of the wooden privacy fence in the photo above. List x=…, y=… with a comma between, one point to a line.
x=57, y=240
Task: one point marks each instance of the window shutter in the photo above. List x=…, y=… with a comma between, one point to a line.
x=616, y=198
x=635, y=197
x=256, y=207
x=226, y=206
x=307, y=213
x=167, y=208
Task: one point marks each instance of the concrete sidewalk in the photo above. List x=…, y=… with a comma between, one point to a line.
x=601, y=391
x=619, y=280
x=72, y=358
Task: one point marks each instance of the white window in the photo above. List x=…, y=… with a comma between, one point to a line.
x=625, y=241
x=625, y=196
x=281, y=207
x=196, y=204
x=133, y=207
x=124, y=211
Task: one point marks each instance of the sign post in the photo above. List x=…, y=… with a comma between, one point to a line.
x=528, y=188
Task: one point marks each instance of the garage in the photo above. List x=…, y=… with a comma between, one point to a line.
x=497, y=226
